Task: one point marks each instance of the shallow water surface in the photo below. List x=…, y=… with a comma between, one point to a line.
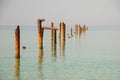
x=93, y=55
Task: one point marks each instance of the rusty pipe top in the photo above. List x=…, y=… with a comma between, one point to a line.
x=41, y=20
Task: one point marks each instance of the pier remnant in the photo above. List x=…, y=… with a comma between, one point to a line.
x=62, y=37
x=76, y=29
x=55, y=36
x=63, y=28
x=17, y=42
x=40, y=33
x=71, y=33
x=52, y=25
x=59, y=31
x=80, y=29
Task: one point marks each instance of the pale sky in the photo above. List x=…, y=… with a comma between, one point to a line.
x=89, y=12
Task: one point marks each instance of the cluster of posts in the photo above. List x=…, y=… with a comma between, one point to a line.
x=78, y=30
x=61, y=35
x=53, y=37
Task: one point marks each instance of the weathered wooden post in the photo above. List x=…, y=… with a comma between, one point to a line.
x=63, y=28
x=54, y=42
x=76, y=29
x=63, y=32
x=52, y=25
x=54, y=35
x=84, y=28
x=71, y=33
x=17, y=42
x=40, y=32
x=79, y=26
x=59, y=37
x=59, y=31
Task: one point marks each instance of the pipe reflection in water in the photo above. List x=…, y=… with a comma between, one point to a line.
x=17, y=69
x=40, y=59
x=40, y=71
x=40, y=55
x=53, y=49
x=80, y=30
x=71, y=32
x=62, y=48
x=59, y=43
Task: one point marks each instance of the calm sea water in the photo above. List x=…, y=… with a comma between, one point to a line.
x=94, y=55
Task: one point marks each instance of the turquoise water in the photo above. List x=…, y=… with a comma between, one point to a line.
x=94, y=55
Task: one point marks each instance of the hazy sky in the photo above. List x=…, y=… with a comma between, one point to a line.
x=89, y=12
